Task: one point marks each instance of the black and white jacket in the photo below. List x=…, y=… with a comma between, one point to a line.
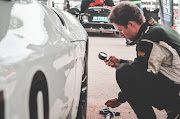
x=158, y=50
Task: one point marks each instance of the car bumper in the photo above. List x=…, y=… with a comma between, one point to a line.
x=99, y=27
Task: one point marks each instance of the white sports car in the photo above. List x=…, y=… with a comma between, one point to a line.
x=43, y=62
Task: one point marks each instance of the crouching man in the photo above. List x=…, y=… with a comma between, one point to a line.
x=153, y=78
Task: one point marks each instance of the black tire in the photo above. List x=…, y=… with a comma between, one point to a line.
x=2, y=105
x=39, y=83
x=82, y=108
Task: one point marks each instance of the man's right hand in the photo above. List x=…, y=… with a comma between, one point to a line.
x=112, y=103
x=113, y=61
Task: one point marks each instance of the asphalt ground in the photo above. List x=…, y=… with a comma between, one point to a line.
x=102, y=85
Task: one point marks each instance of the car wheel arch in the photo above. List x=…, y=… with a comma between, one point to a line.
x=82, y=107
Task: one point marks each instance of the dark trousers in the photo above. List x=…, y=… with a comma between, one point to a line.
x=144, y=90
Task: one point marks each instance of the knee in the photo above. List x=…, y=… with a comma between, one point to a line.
x=124, y=70
x=123, y=73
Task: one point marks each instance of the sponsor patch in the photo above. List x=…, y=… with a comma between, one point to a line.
x=141, y=54
x=152, y=21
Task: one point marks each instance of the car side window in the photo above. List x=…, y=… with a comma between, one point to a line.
x=61, y=20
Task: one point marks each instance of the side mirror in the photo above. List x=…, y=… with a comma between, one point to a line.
x=74, y=11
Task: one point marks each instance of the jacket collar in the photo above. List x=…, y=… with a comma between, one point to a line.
x=142, y=29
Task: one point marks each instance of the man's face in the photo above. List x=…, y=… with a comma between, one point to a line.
x=129, y=32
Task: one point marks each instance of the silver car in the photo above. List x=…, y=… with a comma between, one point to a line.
x=43, y=62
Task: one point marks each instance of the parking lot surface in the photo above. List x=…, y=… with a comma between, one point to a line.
x=102, y=83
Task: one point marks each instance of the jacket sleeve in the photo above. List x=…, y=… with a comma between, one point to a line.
x=126, y=61
x=143, y=51
x=122, y=97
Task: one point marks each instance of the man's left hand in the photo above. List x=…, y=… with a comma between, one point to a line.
x=113, y=103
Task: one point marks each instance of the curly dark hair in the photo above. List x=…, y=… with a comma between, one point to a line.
x=124, y=12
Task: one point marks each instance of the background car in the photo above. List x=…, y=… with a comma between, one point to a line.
x=43, y=62
x=93, y=15
x=95, y=19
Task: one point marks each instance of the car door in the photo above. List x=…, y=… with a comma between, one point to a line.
x=65, y=78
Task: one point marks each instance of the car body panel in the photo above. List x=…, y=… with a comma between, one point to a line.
x=33, y=39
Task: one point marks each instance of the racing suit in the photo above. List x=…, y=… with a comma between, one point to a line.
x=153, y=78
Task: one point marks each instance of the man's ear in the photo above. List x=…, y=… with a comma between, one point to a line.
x=132, y=24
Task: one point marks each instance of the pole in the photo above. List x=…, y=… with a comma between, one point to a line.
x=179, y=10
x=166, y=8
x=48, y=2
x=66, y=5
x=156, y=4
